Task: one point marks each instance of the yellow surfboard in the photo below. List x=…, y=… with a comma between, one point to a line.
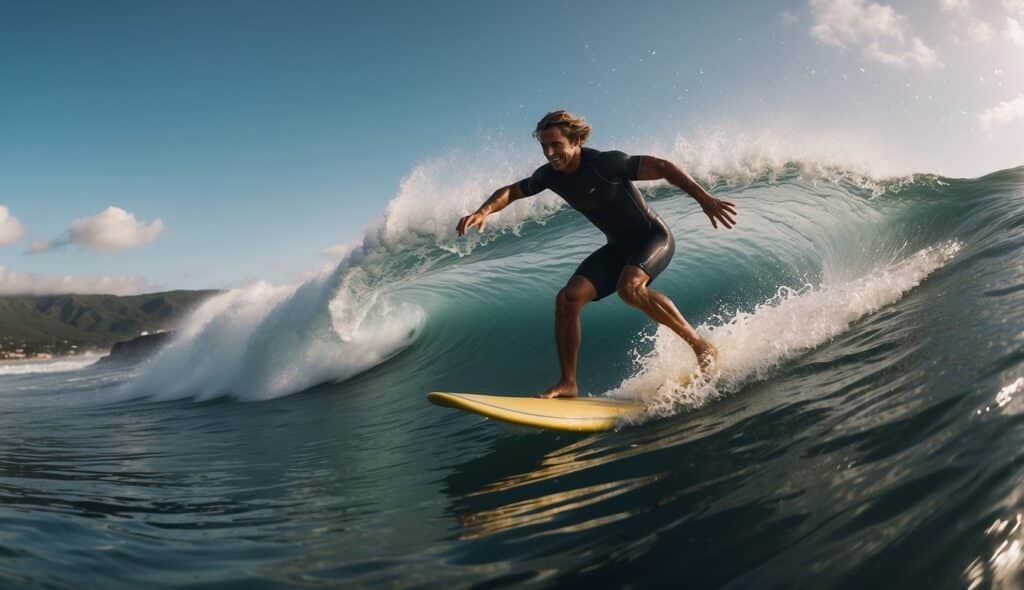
x=584, y=414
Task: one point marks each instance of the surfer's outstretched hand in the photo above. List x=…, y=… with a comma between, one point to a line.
x=469, y=221
x=719, y=211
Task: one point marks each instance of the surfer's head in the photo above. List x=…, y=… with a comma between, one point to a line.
x=561, y=135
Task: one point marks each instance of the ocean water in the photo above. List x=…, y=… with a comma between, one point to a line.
x=864, y=428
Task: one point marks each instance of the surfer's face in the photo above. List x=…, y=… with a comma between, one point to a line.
x=560, y=151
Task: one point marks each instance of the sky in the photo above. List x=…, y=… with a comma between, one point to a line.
x=159, y=145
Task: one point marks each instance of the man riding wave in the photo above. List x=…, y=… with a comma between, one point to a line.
x=599, y=185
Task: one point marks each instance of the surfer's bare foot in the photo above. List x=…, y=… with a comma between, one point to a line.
x=563, y=389
x=707, y=355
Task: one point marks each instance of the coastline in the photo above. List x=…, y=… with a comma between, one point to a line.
x=44, y=357
x=131, y=350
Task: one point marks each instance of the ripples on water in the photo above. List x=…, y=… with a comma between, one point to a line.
x=888, y=456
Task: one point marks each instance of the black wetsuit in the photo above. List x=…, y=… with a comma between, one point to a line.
x=601, y=189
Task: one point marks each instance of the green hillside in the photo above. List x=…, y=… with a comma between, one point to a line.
x=59, y=324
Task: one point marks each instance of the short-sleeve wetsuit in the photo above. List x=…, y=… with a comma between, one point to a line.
x=601, y=189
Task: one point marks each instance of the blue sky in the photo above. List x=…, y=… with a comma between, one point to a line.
x=193, y=144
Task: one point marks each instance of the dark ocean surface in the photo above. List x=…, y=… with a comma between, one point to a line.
x=865, y=429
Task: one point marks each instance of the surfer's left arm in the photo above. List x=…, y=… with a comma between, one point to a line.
x=719, y=211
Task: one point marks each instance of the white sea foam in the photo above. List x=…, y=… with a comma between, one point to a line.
x=56, y=365
x=739, y=157
x=261, y=342
x=433, y=197
x=753, y=344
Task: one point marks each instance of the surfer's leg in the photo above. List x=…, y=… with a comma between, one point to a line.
x=633, y=289
x=570, y=301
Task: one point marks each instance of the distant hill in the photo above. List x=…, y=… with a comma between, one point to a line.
x=62, y=324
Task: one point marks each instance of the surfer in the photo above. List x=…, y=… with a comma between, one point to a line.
x=599, y=185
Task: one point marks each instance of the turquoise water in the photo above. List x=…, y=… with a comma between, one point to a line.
x=864, y=429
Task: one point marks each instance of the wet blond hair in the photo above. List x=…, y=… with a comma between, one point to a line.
x=573, y=127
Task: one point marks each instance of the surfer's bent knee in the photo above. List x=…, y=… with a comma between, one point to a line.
x=633, y=293
x=569, y=297
x=632, y=289
x=632, y=285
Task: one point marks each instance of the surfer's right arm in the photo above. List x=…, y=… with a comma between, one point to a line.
x=498, y=201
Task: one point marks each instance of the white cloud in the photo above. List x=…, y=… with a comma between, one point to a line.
x=1002, y=114
x=917, y=54
x=877, y=29
x=1013, y=31
x=979, y=31
x=1014, y=6
x=844, y=22
x=16, y=283
x=10, y=227
x=110, y=230
x=114, y=229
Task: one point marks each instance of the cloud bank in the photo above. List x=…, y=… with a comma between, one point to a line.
x=16, y=283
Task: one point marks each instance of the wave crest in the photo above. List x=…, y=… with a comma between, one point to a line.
x=263, y=341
